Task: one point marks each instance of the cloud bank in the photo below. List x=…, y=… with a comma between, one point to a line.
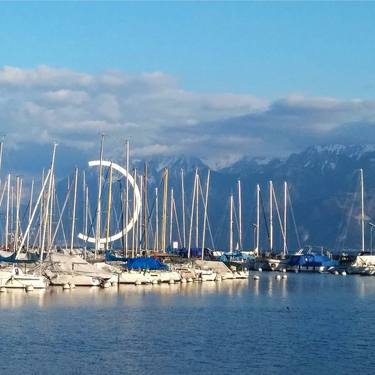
x=160, y=117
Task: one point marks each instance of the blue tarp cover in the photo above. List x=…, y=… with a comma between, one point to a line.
x=145, y=264
x=311, y=260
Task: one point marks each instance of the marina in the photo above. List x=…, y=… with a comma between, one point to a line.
x=150, y=254
x=187, y=188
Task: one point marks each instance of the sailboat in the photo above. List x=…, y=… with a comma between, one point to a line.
x=271, y=261
x=280, y=261
x=11, y=275
x=62, y=269
x=364, y=262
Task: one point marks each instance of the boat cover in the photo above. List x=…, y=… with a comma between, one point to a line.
x=311, y=260
x=6, y=256
x=145, y=264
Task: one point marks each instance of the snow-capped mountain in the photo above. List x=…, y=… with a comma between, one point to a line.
x=323, y=183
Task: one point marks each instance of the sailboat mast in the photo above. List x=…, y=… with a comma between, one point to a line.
x=86, y=216
x=34, y=212
x=139, y=223
x=239, y=214
x=192, y=212
x=12, y=209
x=156, y=220
x=205, y=213
x=74, y=209
x=258, y=221
x=109, y=204
x=46, y=213
x=125, y=222
x=53, y=195
x=171, y=218
x=84, y=204
x=98, y=206
x=197, y=213
x=135, y=224
x=231, y=223
x=145, y=209
x=164, y=215
x=30, y=210
x=7, y=214
x=285, y=214
x=183, y=208
x=362, y=210
x=271, y=215
x=41, y=212
x=16, y=232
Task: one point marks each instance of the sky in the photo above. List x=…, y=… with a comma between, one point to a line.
x=222, y=80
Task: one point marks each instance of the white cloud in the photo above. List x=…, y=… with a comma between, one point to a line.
x=46, y=104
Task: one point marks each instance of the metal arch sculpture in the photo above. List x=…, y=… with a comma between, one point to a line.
x=137, y=196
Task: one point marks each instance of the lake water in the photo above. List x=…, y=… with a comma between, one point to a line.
x=307, y=324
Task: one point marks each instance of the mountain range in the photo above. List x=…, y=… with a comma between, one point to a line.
x=324, y=191
x=323, y=186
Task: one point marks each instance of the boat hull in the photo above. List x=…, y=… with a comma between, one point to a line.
x=14, y=279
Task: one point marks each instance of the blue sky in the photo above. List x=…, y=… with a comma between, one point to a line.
x=265, y=49
x=217, y=80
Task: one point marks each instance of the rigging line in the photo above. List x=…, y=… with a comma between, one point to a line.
x=90, y=218
x=208, y=219
x=278, y=214
x=264, y=215
x=177, y=222
x=122, y=206
x=96, y=208
x=236, y=220
x=151, y=229
x=3, y=193
x=150, y=211
x=119, y=211
x=350, y=217
x=37, y=233
x=222, y=228
x=294, y=219
x=62, y=223
x=113, y=215
x=62, y=213
x=343, y=225
x=251, y=213
x=116, y=217
x=187, y=210
x=23, y=217
x=38, y=221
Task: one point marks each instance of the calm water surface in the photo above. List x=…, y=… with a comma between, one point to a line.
x=307, y=324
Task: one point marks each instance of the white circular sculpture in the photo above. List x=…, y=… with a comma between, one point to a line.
x=137, y=197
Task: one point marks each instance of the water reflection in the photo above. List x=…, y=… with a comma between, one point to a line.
x=17, y=298
x=267, y=285
x=128, y=294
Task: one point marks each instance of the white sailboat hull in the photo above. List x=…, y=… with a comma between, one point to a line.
x=135, y=277
x=64, y=269
x=77, y=280
x=16, y=279
x=362, y=264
